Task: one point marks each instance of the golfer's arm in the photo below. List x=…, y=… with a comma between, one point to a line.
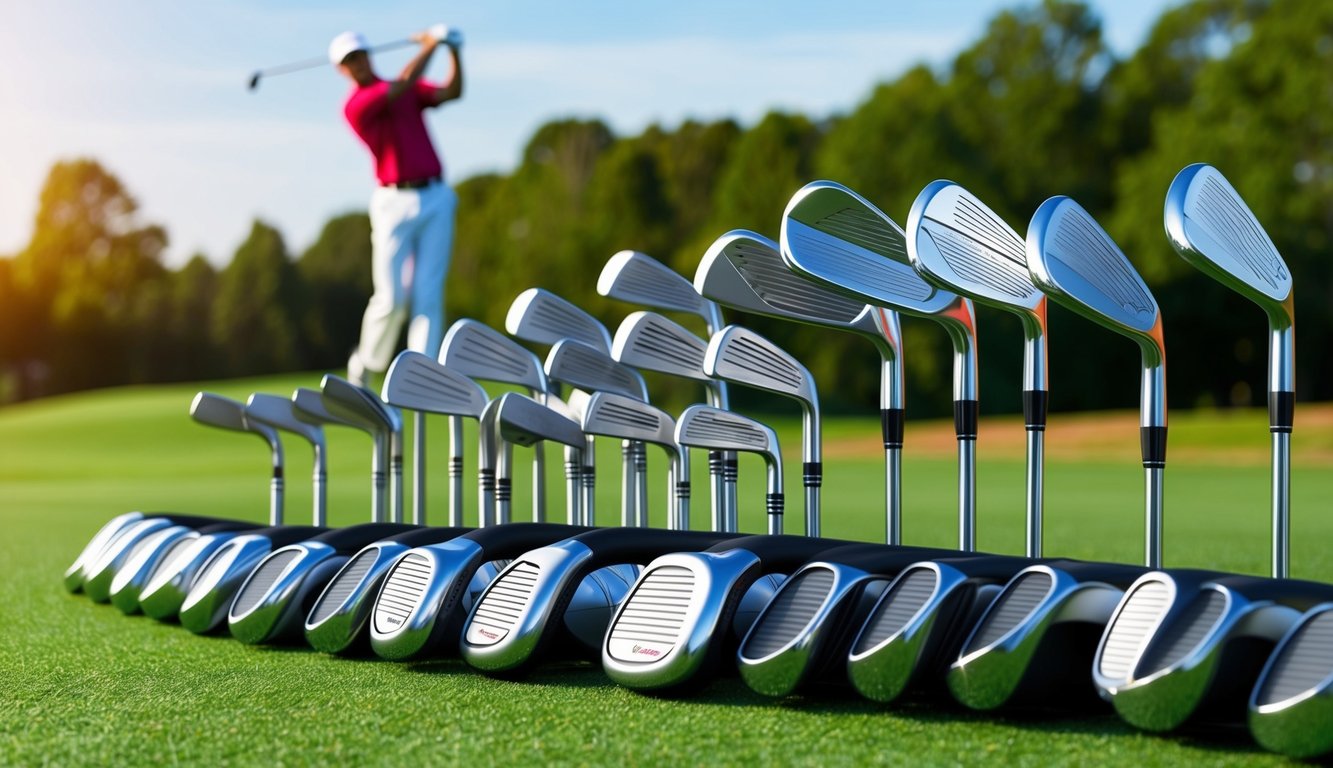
x=454, y=88
x=412, y=72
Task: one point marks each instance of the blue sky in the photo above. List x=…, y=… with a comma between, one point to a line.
x=155, y=89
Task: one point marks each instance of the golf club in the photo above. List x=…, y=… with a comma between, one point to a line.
x=268, y=410
x=423, y=385
x=425, y=597
x=364, y=410
x=478, y=351
x=153, y=533
x=837, y=238
x=1213, y=229
x=956, y=242
x=1290, y=702
x=741, y=356
x=745, y=270
x=590, y=369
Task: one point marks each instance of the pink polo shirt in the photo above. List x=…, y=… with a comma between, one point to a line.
x=394, y=131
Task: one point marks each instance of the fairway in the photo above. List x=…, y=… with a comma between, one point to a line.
x=86, y=685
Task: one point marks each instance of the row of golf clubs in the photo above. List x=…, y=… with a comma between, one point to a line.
x=1050, y=615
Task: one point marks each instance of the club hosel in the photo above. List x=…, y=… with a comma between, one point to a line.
x=1282, y=349
x=485, y=497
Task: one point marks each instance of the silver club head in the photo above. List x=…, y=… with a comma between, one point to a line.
x=1294, y=695
x=1077, y=264
x=524, y=421
x=308, y=406
x=586, y=367
x=745, y=270
x=838, y=238
x=358, y=406
x=75, y=574
x=225, y=413
x=638, y=278
x=703, y=426
x=740, y=355
x=1211, y=227
x=280, y=413
x=651, y=342
x=539, y=316
x=418, y=382
x=477, y=350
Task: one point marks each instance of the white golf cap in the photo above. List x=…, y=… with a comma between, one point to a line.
x=344, y=44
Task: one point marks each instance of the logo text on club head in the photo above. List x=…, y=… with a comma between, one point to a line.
x=642, y=651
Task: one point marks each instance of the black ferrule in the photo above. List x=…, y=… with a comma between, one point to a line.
x=641, y=460
x=277, y=472
x=1153, y=442
x=965, y=418
x=715, y=462
x=812, y=473
x=487, y=479
x=1035, y=402
x=891, y=422
x=504, y=489
x=774, y=502
x=456, y=466
x=683, y=490
x=589, y=475
x=1281, y=411
x=731, y=470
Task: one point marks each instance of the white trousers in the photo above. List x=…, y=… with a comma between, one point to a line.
x=411, y=237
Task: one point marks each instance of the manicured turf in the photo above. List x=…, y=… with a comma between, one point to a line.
x=83, y=684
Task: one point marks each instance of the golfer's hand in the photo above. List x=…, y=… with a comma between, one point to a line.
x=428, y=36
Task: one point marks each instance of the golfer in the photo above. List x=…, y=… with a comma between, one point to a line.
x=412, y=208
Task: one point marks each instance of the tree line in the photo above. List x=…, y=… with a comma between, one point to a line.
x=1037, y=106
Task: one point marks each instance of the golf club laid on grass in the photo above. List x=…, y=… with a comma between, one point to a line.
x=520, y=613
x=427, y=593
x=1035, y=642
x=423, y=385
x=269, y=410
x=956, y=242
x=837, y=238
x=152, y=534
x=745, y=270
x=1289, y=707
x=684, y=613
x=1213, y=229
x=637, y=278
x=478, y=351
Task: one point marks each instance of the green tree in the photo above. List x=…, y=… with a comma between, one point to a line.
x=335, y=272
x=255, y=319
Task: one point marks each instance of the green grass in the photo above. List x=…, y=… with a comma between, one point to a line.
x=82, y=684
